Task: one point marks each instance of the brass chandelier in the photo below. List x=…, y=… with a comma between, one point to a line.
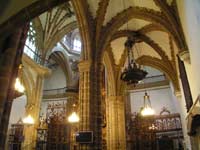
x=132, y=73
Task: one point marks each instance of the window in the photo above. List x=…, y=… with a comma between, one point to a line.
x=77, y=44
x=30, y=48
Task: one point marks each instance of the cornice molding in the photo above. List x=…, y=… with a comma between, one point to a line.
x=149, y=85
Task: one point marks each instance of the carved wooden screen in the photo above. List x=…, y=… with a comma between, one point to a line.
x=16, y=136
x=155, y=132
x=142, y=137
x=54, y=132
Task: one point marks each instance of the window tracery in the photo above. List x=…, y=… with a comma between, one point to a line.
x=30, y=45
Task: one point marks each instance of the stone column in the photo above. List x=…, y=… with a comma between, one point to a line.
x=33, y=109
x=116, y=138
x=5, y=103
x=7, y=60
x=10, y=56
x=84, y=98
x=90, y=103
x=5, y=122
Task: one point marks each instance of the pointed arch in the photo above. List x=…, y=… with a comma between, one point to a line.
x=28, y=81
x=144, y=38
x=60, y=34
x=162, y=66
x=85, y=22
x=151, y=15
x=110, y=73
x=63, y=62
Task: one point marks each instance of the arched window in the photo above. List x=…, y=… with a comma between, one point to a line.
x=30, y=48
x=77, y=44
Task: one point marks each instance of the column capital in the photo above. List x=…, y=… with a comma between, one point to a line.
x=185, y=56
x=115, y=98
x=84, y=65
x=178, y=95
x=40, y=70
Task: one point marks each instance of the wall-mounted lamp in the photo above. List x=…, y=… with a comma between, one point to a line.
x=18, y=85
x=28, y=120
x=73, y=118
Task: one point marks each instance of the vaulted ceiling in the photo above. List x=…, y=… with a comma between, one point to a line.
x=155, y=24
x=52, y=25
x=114, y=7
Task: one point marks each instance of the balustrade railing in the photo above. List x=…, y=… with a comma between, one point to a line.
x=166, y=123
x=158, y=123
x=60, y=90
x=155, y=78
x=35, y=56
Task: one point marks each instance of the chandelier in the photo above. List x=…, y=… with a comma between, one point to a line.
x=147, y=109
x=132, y=73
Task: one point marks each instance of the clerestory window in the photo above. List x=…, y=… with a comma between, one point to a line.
x=30, y=45
x=77, y=44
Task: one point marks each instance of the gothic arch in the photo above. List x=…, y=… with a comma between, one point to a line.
x=153, y=16
x=59, y=35
x=84, y=19
x=110, y=73
x=28, y=81
x=143, y=38
x=162, y=66
x=63, y=61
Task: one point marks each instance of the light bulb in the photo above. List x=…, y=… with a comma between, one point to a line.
x=73, y=118
x=147, y=111
x=28, y=120
x=18, y=86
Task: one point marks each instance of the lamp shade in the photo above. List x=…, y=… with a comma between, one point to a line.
x=28, y=120
x=147, y=109
x=18, y=86
x=73, y=118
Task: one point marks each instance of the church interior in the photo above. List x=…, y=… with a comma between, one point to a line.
x=99, y=75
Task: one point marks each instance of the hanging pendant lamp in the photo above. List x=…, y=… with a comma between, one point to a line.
x=132, y=73
x=147, y=109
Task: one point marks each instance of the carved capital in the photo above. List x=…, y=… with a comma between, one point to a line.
x=178, y=95
x=115, y=98
x=40, y=70
x=185, y=56
x=84, y=65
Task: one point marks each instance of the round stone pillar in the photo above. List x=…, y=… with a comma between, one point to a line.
x=116, y=134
